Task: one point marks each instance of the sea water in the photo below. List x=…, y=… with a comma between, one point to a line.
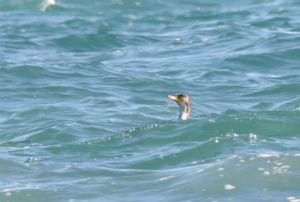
x=84, y=115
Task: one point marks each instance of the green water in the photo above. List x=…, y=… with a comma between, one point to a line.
x=84, y=114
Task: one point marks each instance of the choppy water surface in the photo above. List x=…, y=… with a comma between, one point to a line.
x=84, y=114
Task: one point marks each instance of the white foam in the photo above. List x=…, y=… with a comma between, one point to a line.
x=165, y=178
x=268, y=155
x=46, y=3
x=229, y=187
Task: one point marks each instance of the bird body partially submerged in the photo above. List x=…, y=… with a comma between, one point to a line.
x=184, y=103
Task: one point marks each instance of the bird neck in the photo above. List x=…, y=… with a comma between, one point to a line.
x=184, y=112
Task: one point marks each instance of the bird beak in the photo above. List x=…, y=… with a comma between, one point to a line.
x=174, y=98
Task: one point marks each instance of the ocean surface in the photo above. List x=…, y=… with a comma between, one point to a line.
x=84, y=115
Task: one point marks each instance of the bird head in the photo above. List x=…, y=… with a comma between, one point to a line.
x=184, y=103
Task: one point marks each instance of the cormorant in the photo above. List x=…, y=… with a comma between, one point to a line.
x=184, y=103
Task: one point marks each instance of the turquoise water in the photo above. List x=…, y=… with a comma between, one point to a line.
x=84, y=114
